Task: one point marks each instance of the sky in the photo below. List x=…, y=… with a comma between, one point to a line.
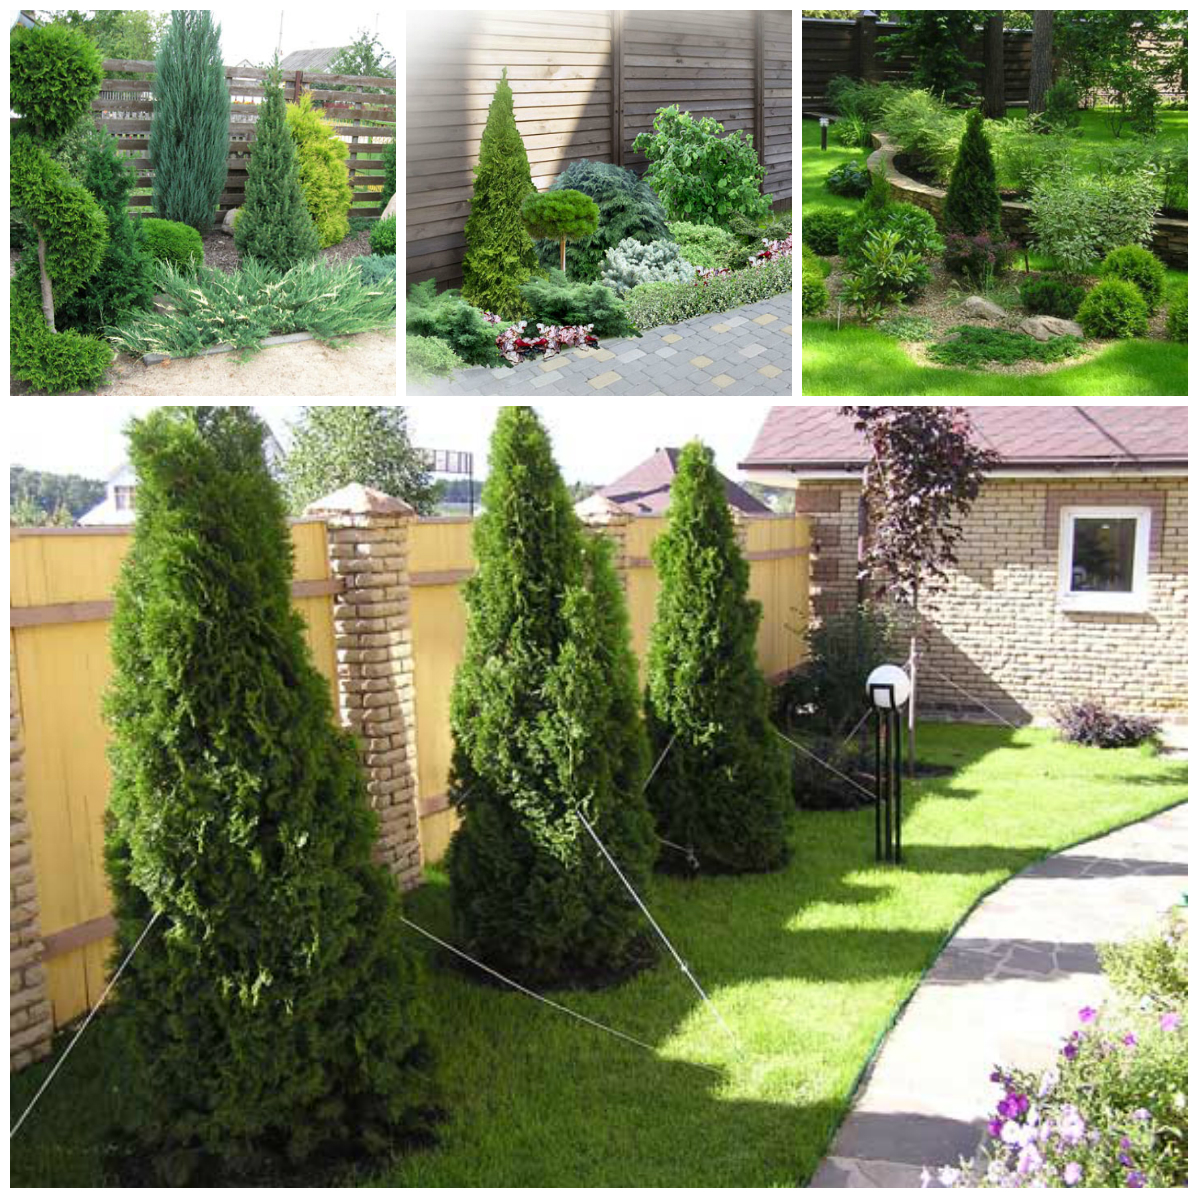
x=594, y=443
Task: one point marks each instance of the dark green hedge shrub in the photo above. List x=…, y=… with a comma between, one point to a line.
x=557, y=301
x=448, y=317
x=1139, y=266
x=1177, y=319
x=388, y=161
x=821, y=230
x=1051, y=298
x=1114, y=308
x=814, y=297
x=383, y=237
x=173, y=242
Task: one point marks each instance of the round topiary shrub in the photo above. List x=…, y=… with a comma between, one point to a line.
x=820, y=230
x=814, y=298
x=1051, y=298
x=1137, y=266
x=383, y=237
x=173, y=242
x=1177, y=319
x=1114, y=308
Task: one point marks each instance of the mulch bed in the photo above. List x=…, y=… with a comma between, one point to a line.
x=221, y=254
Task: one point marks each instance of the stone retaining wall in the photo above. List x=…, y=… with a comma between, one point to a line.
x=1170, y=240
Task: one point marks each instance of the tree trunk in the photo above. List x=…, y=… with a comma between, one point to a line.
x=47, y=290
x=1039, y=71
x=994, y=106
x=562, y=256
x=912, y=693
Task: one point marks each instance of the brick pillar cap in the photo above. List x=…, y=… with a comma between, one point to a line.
x=359, y=500
x=599, y=509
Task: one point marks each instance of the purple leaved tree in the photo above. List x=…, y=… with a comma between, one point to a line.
x=922, y=477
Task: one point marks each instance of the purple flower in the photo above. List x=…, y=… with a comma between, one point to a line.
x=1072, y=1174
x=1071, y=1126
x=1140, y=1114
x=1130, y=1039
x=1070, y=1050
x=1029, y=1160
x=1168, y=1024
x=1125, y=1160
x=994, y=1127
x=1125, y=1143
x=1135, y=1179
x=1087, y=1015
x=996, y=1076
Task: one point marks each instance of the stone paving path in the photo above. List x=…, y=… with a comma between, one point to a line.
x=1006, y=989
x=744, y=352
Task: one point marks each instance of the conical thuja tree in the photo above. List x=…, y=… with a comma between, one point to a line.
x=722, y=788
x=500, y=254
x=273, y=1010
x=973, y=199
x=545, y=724
x=274, y=225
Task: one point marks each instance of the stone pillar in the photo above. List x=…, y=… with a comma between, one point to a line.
x=368, y=555
x=865, y=28
x=31, y=1023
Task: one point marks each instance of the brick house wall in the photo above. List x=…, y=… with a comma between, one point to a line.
x=998, y=631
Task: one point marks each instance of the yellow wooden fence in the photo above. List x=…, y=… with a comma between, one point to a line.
x=62, y=584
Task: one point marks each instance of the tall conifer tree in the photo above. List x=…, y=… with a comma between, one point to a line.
x=545, y=723
x=189, y=128
x=722, y=788
x=274, y=225
x=273, y=1011
x=973, y=199
x=500, y=254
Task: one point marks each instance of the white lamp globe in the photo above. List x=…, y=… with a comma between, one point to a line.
x=888, y=674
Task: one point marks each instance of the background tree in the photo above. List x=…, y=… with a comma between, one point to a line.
x=562, y=216
x=129, y=33
x=273, y=1013
x=934, y=39
x=189, y=128
x=545, y=724
x=47, y=490
x=995, y=105
x=499, y=255
x=1041, y=63
x=274, y=225
x=333, y=445
x=723, y=787
x=923, y=475
x=972, y=198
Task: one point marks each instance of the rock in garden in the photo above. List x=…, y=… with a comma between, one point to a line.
x=977, y=306
x=1044, y=328
x=227, y=224
x=390, y=211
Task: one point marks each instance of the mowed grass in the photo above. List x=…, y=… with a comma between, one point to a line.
x=808, y=965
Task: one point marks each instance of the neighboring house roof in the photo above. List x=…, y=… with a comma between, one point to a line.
x=1027, y=437
x=646, y=490
x=319, y=60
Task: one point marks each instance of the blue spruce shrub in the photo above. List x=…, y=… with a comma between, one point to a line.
x=633, y=262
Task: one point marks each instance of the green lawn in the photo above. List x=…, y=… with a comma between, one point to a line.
x=809, y=965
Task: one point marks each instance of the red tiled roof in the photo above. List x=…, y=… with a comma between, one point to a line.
x=799, y=436
x=646, y=490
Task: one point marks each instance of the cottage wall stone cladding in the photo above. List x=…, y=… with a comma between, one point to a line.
x=368, y=555
x=997, y=638
x=31, y=1024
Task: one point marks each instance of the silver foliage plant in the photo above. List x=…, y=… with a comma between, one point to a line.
x=633, y=262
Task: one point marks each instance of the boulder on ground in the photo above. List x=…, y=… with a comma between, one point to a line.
x=1044, y=328
x=227, y=224
x=977, y=306
x=390, y=211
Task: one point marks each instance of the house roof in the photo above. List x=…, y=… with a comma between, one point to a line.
x=1027, y=437
x=319, y=60
x=646, y=490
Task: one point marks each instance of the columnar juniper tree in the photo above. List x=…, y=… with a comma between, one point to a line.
x=545, y=724
x=273, y=1011
x=189, y=128
x=274, y=225
x=722, y=787
x=972, y=198
x=922, y=478
x=500, y=255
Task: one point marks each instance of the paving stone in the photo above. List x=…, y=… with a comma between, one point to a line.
x=738, y=320
x=701, y=360
x=549, y=377
x=721, y=328
x=670, y=337
x=753, y=350
x=765, y=319
x=631, y=355
x=666, y=352
x=770, y=371
x=602, y=381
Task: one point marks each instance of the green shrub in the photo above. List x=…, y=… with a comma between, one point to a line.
x=652, y=304
x=811, y=263
x=822, y=228
x=634, y=262
x=1177, y=319
x=426, y=357
x=706, y=246
x=1138, y=266
x=239, y=812
x=722, y=786
x=848, y=180
x=1062, y=105
x=973, y=347
x=387, y=160
x=701, y=173
x=917, y=230
x=814, y=296
x=851, y=131
x=1051, y=297
x=925, y=129
x=628, y=209
x=544, y=717
x=448, y=317
x=1114, y=308
x=375, y=268
x=557, y=301
x=324, y=176
x=383, y=237
x=972, y=202
x=885, y=274
x=857, y=98
x=172, y=242
x=560, y=215
x=1023, y=155
x=906, y=329
x=981, y=259
x=1153, y=967
x=774, y=226
x=54, y=74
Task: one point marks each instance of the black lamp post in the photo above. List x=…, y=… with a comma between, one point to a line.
x=888, y=687
x=824, y=133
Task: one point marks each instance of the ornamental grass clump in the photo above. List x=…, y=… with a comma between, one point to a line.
x=544, y=716
x=272, y=1020
x=722, y=787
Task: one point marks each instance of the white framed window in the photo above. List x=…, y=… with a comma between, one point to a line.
x=123, y=497
x=1104, y=558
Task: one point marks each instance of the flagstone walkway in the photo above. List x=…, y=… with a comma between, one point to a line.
x=744, y=352
x=1005, y=990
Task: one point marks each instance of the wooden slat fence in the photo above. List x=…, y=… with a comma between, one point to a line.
x=364, y=120
x=584, y=89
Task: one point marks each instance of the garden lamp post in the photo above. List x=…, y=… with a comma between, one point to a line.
x=824, y=133
x=888, y=688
